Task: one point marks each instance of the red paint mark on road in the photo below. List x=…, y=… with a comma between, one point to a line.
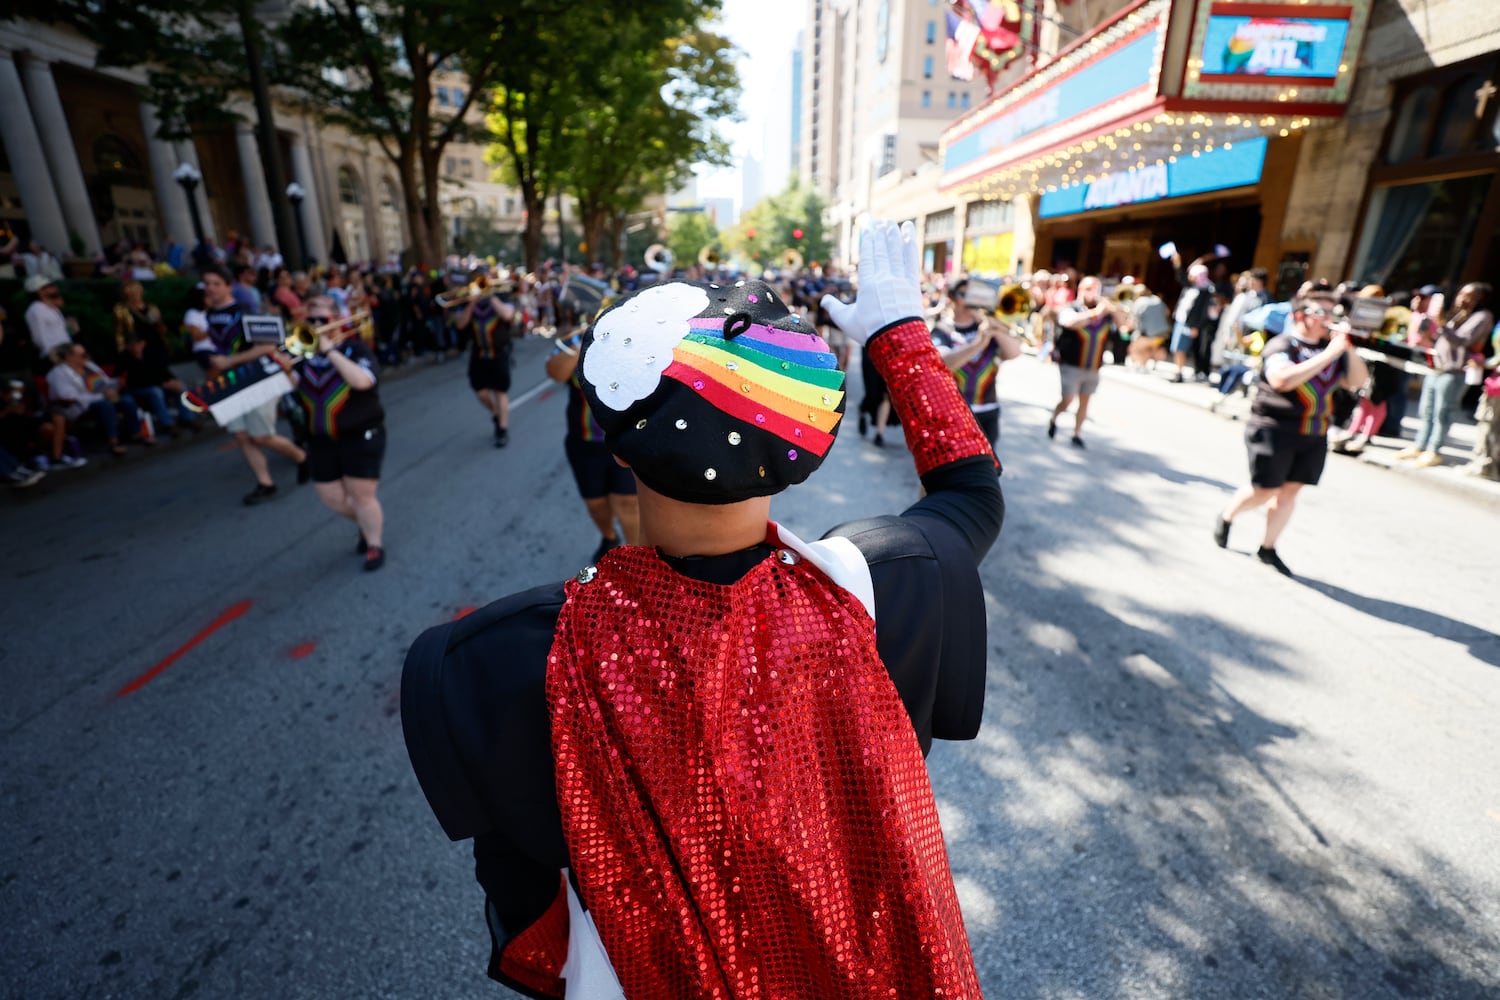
x=226, y=616
x=463, y=613
x=302, y=650
x=546, y=393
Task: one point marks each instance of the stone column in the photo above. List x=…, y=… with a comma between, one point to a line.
x=170, y=197
x=257, y=201
x=312, y=217
x=187, y=152
x=27, y=163
x=62, y=158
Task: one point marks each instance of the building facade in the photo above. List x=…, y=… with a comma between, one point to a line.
x=81, y=166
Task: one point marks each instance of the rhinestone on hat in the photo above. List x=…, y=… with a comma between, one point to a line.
x=733, y=366
x=681, y=424
x=587, y=574
x=710, y=474
x=734, y=437
x=640, y=424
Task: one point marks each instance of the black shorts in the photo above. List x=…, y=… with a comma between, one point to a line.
x=989, y=423
x=1279, y=456
x=357, y=456
x=596, y=472
x=489, y=373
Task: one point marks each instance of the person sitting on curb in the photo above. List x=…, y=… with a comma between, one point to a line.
x=77, y=386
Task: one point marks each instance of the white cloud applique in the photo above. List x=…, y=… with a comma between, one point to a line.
x=633, y=344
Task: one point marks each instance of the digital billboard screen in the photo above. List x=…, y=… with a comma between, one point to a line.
x=1273, y=47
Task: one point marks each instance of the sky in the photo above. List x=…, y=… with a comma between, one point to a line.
x=766, y=31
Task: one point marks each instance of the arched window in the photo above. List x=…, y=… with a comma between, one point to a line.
x=349, y=192
x=1409, y=137
x=388, y=197
x=114, y=160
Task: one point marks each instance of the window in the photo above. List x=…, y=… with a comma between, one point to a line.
x=1459, y=118
x=927, y=67
x=931, y=32
x=990, y=216
x=466, y=169
x=887, y=155
x=450, y=166
x=458, y=97
x=940, y=224
x=963, y=100
x=926, y=98
x=349, y=193
x=510, y=206
x=442, y=95
x=952, y=99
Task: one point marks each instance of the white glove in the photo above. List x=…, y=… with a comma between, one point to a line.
x=890, y=282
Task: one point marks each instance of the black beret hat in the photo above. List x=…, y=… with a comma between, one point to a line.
x=714, y=393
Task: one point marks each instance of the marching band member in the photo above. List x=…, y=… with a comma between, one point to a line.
x=973, y=346
x=697, y=769
x=607, y=487
x=489, y=355
x=346, y=423
x=221, y=346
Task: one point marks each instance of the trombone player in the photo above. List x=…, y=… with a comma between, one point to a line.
x=490, y=349
x=973, y=345
x=334, y=376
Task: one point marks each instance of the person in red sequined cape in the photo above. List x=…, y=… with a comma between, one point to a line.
x=697, y=769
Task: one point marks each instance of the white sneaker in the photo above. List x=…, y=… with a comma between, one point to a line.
x=40, y=462
x=69, y=462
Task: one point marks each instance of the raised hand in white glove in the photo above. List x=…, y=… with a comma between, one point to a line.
x=890, y=282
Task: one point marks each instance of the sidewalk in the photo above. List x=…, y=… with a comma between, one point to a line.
x=1381, y=451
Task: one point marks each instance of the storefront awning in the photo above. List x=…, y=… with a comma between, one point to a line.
x=1117, y=117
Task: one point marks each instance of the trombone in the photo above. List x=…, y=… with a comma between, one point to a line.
x=302, y=340
x=478, y=288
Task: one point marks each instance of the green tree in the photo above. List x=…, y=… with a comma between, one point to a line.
x=565, y=102
x=654, y=120
x=369, y=66
x=776, y=220
x=687, y=234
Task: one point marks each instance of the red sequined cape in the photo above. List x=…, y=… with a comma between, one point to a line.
x=747, y=808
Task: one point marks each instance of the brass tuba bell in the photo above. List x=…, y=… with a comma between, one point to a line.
x=792, y=259
x=709, y=256
x=1014, y=300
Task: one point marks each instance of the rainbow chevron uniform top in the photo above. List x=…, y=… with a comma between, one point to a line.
x=976, y=378
x=1305, y=410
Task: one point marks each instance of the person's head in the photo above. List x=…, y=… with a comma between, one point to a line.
x=75, y=356
x=283, y=278
x=1313, y=310
x=335, y=278
x=1089, y=289
x=1422, y=297
x=246, y=274
x=45, y=290
x=1061, y=280
x=1198, y=275
x=216, y=287
x=681, y=377
x=321, y=309
x=300, y=282
x=1474, y=296
x=1258, y=278
x=133, y=293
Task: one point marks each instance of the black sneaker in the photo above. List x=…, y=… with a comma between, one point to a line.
x=374, y=559
x=304, y=471
x=864, y=423
x=502, y=437
x=260, y=494
x=1177, y=379
x=879, y=440
x=1221, y=532
x=1052, y=428
x=605, y=544
x=361, y=546
x=1270, y=558
x=1078, y=441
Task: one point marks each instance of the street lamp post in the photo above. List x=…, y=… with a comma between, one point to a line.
x=188, y=176
x=295, y=193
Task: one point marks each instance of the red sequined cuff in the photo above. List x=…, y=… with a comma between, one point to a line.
x=938, y=424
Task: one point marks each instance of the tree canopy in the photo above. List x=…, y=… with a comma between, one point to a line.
x=775, y=223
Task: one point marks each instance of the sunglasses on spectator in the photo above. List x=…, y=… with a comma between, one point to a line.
x=319, y=319
x=1316, y=311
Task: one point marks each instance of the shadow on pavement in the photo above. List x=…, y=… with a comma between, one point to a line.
x=1485, y=646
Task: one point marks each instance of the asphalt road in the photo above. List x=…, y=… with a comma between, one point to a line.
x=1195, y=778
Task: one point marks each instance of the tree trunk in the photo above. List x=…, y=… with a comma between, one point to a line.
x=562, y=231
x=593, y=233
x=431, y=204
x=416, y=218
x=270, y=145
x=531, y=236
